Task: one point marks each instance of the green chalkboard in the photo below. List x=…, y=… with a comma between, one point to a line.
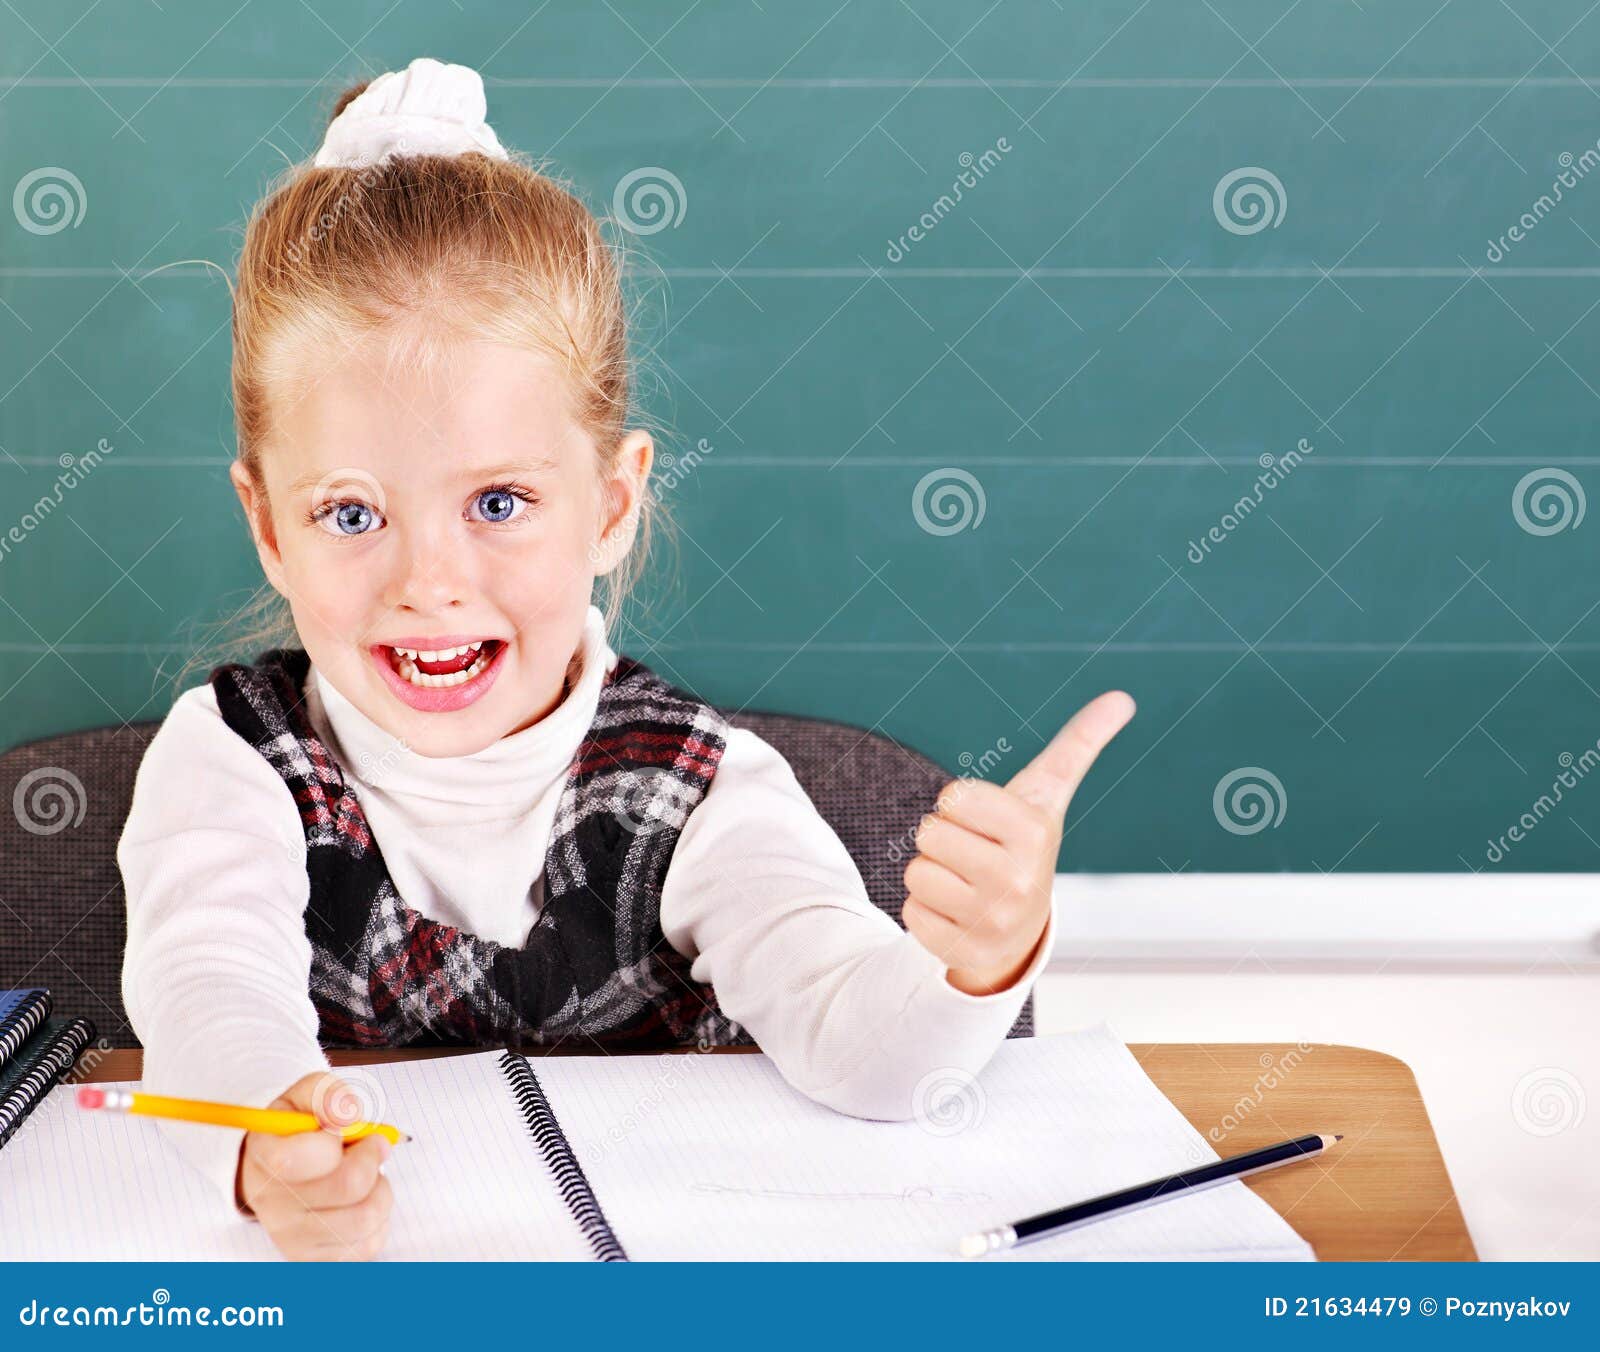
x=985, y=323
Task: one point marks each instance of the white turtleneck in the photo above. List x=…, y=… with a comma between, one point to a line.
x=761, y=896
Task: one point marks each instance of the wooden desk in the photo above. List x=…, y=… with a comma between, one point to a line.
x=1382, y=1193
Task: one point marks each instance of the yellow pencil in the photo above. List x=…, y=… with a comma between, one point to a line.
x=274, y=1121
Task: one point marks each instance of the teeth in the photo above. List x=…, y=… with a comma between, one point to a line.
x=443, y=655
x=408, y=669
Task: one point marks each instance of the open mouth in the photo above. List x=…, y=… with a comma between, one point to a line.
x=441, y=670
x=442, y=680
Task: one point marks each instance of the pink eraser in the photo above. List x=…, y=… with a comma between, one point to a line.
x=90, y=1097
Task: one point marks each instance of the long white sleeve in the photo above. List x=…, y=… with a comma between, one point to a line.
x=766, y=900
x=216, y=972
x=761, y=895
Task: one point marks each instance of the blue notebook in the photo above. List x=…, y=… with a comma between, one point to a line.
x=35, y=1052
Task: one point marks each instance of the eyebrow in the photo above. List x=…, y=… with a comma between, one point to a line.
x=479, y=473
x=529, y=465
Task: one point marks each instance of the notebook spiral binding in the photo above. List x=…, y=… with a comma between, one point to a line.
x=571, y=1181
x=33, y=1010
x=42, y=1074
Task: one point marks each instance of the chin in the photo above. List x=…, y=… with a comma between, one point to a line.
x=439, y=743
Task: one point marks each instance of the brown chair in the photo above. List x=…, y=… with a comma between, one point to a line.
x=62, y=912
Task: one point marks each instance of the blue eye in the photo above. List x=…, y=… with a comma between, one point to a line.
x=502, y=504
x=350, y=517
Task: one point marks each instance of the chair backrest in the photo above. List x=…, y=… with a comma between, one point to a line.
x=63, y=914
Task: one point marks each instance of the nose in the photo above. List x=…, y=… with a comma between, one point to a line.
x=430, y=576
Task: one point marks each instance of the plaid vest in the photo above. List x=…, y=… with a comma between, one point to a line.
x=595, y=965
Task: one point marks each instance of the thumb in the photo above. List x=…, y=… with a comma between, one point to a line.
x=1050, y=779
x=333, y=1101
x=302, y=1095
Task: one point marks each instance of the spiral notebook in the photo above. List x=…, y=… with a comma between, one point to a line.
x=681, y=1157
x=35, y=1052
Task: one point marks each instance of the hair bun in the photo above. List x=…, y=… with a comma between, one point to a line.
x=429, y=108
x=346, y=99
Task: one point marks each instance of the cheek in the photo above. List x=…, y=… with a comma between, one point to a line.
x=546, y=578
x=329, y=590
x=539, y=582
x=557, y=551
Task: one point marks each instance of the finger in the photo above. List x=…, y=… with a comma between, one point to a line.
x=335, y=1102
x=349, y=1233
x=980, y=806
x=937, y=888
x=351, y=1182
x=967, y=854
x=1050, y=779
x=293, y=1159
x=304, y=1093
x=937, y=933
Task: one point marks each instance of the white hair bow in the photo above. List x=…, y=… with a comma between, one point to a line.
x=429, y=108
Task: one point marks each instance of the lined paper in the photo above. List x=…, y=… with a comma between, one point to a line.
x=82, y=1185
x=470, y=1184
x=691, y=1156
x=715, y=1157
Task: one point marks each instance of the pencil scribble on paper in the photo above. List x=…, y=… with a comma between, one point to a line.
x=915, y=1193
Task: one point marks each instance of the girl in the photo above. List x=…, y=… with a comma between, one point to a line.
x=452, y=813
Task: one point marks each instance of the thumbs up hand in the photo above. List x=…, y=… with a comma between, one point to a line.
x=978, y=890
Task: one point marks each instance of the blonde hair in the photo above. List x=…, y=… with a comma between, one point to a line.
x=439, y=248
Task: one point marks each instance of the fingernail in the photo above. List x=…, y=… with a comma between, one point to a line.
x=384, y=1167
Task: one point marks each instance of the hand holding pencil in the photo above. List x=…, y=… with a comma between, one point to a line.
x=310, y=1169
x=272, y=1121
x=317, y=1197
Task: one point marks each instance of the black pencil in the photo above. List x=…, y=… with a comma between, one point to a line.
x=1143, y=1194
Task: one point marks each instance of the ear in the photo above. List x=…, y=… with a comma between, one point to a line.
x=253, y=498
x=622, y=501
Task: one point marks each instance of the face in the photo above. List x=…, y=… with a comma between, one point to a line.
x=416, y=512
